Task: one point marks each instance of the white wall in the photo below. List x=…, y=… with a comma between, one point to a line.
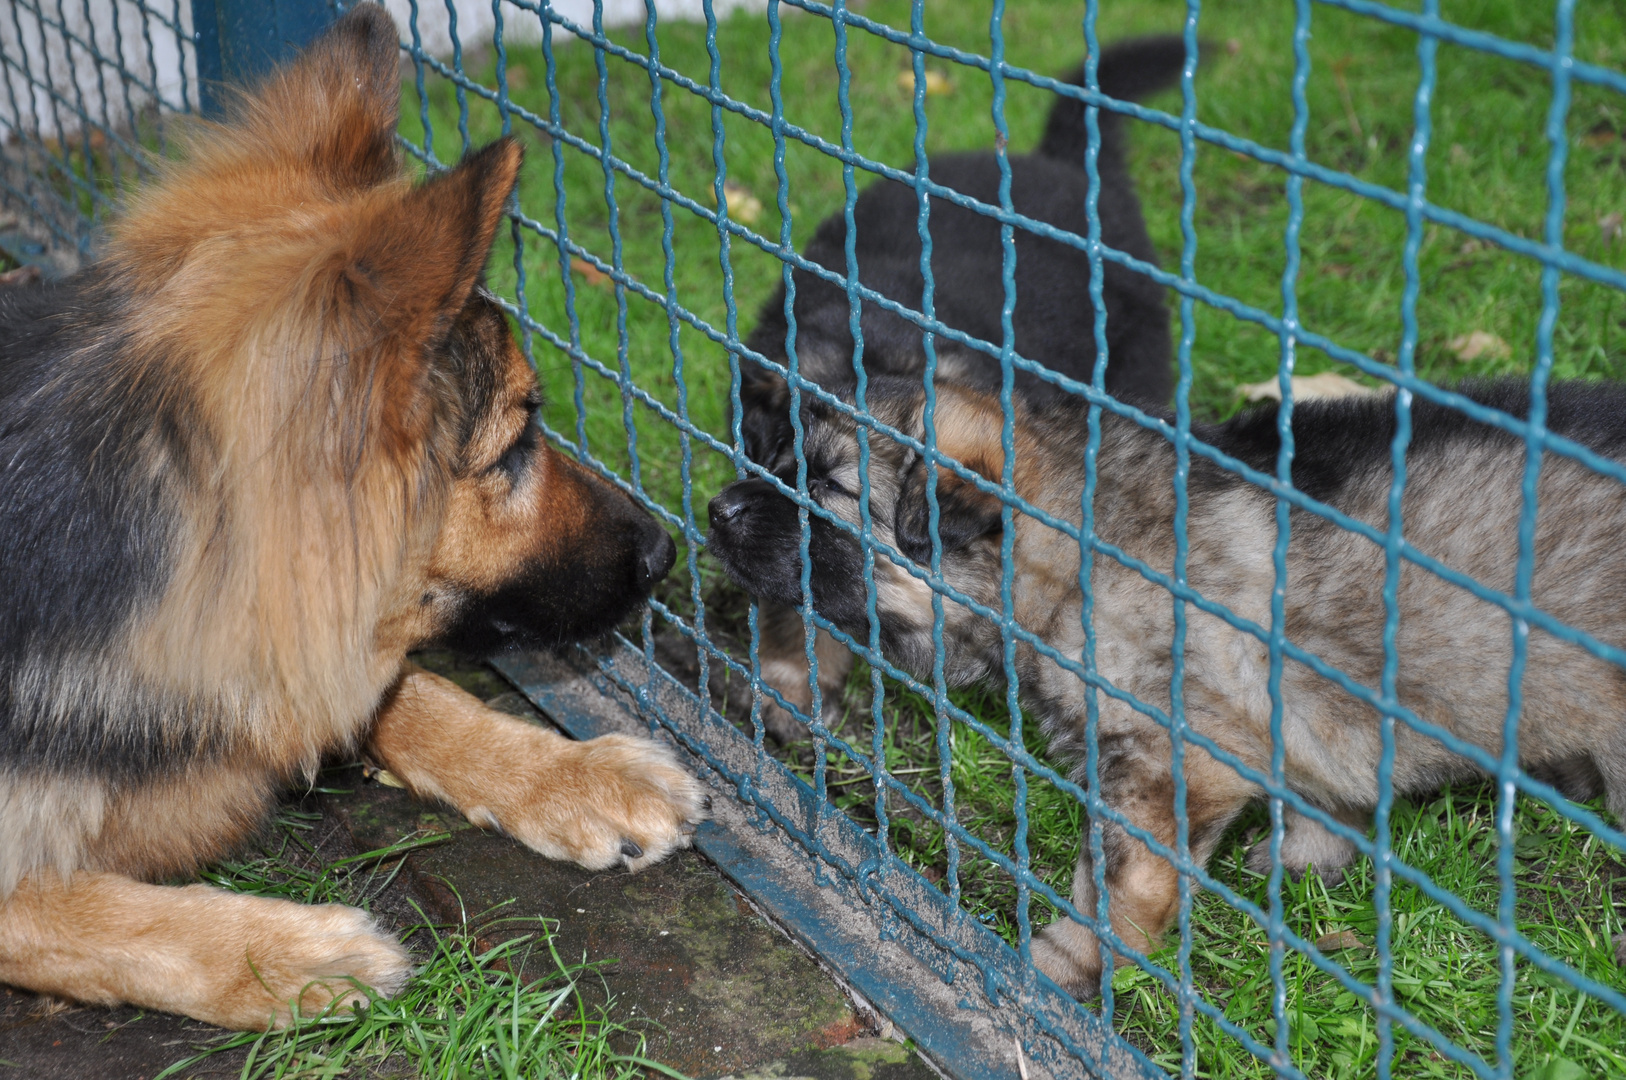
x=121, y=30
x=59, y=73
x=475, y=21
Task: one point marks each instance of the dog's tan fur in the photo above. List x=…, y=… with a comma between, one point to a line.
x=569, y=800
x=340, y=499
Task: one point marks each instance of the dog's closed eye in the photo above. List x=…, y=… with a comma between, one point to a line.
x=830, y=485
x=522, y=450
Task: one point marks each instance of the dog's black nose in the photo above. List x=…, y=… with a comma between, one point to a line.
x=656, y=555
x=734, y=500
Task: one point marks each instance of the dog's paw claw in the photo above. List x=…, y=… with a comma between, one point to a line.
x=614, y=800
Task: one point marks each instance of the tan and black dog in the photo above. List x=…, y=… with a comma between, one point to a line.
x=278, y=437
x=1461, y=506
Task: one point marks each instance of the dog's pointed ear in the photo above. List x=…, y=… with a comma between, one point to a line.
x=965, y=513
x=408, y=266
x=765, y=427
x=336, y=107
x=968, y=430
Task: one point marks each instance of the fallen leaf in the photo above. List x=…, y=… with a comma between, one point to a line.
x=1329, y=384
x=1599, y=139
x=593, y=274
x=936, y=82
x=1343, y=939
x=388, y=779
x=1470, y=246
x=743, y=206
x=1611, y=225
x=1558, y=1068
x=1337, y=270
x=1479, y=343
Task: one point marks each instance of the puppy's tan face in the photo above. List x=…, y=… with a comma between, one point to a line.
x=756, y=533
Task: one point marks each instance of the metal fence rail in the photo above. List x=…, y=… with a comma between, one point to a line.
x=86, y=98
x=84, y=105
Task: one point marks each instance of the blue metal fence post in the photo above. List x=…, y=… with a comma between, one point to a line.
x=238, y=40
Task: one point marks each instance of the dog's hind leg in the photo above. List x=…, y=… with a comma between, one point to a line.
x=1142, y=885
x=1307, y=843
x=237, y=961
x=784, y=667
x=614, y=800
x=1610, y=760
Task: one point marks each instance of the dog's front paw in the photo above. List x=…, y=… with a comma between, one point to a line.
x=266, y=958
x=612, y=800
x=1070, y=955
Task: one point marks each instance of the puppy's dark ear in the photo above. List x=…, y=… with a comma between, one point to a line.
x=968, y=427
x=764, y=415
x=965, y=513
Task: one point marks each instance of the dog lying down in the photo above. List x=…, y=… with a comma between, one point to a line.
x=277, y=438
x=1461, y=506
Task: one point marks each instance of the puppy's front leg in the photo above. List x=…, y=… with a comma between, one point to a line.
x=784, y=667
x=1142, y=886
x=614, y=799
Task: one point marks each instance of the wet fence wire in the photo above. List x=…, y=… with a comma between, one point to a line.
x=90, y=93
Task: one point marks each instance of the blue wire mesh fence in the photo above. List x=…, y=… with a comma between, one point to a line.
x=646, y=399
x=84, y=106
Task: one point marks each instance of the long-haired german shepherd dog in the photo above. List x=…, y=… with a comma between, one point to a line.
x=1461, y=506
x=278, y=437
x=1053, y=320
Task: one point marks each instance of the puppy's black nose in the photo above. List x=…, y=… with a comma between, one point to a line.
x=656, y=555
x=733, y=501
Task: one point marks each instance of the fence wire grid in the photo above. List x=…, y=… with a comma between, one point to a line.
x=90, y=92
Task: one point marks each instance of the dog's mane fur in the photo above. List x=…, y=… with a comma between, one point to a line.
x=225, y=447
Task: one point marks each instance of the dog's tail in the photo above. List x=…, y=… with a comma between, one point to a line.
x=1129, y=71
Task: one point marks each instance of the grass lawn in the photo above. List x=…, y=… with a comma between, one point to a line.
x=1487, y=159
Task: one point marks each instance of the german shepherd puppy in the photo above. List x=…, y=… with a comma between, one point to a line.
x=278, y=437
x=1461, y=506
x=1054, y=321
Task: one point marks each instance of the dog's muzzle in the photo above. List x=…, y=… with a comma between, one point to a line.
x=732, y=511
x=656, y=555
